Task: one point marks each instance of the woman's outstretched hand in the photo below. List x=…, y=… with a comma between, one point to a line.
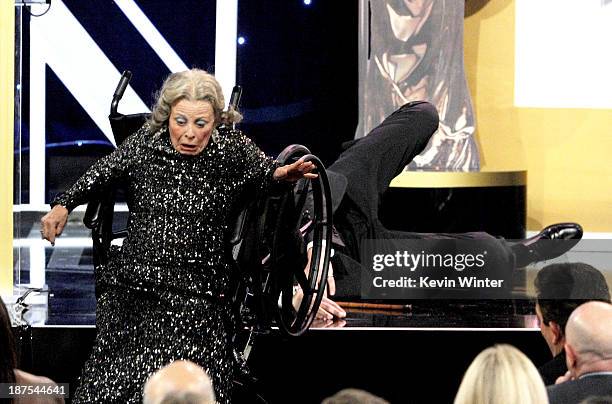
x=52, y=224
x=293, y=172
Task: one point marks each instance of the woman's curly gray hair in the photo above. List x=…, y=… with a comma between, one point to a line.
x=191, y=85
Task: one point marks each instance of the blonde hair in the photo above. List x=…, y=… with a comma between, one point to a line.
x=191, y=85
x=501, y=374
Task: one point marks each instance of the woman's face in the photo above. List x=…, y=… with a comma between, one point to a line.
x=191, y=125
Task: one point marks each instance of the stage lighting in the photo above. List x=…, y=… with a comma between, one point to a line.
x=307, y=2
x=241, y=40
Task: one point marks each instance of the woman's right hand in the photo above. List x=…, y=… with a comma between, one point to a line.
x=52, y=224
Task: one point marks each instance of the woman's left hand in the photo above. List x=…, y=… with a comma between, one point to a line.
x=293, y=172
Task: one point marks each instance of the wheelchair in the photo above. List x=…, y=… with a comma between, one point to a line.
x=265, y=244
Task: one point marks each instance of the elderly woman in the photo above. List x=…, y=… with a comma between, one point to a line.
x=160, y=299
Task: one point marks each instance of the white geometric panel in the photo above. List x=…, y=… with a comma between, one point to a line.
x=153, y=37
x=563, y=54
x=58, y=40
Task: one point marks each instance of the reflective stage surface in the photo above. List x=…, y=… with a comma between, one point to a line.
x=376, y=348
x=65, y=277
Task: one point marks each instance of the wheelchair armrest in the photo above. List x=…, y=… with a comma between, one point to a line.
x=99, y=218
x=93, y=214
x=237, y=232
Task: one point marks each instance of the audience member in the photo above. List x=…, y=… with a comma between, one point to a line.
x=354, y=396
x=588, y=349
x=501, y=374
x=180, y=382
x=8, y=358
x=560, y=289
x=8, y=365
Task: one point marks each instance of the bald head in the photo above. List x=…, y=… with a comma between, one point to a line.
x=589, y=332
x=179, y=382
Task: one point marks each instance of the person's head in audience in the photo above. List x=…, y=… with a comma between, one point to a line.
x=588, y=345
x=560, y=288
x=8, y=358
x=354, y=396
x=501, y=374
x=180, y=382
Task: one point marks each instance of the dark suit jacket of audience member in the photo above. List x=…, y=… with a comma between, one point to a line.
x=577, y=390
x=554, y=368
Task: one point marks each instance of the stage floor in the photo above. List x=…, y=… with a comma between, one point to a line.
x=378, y=349
x=365, y=350
x=65, y=275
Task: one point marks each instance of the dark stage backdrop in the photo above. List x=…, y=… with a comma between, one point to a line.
x=298, y=67
x=299, y=72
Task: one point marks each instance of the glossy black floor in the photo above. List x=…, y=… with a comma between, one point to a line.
x=66, y=274
x=391, y=352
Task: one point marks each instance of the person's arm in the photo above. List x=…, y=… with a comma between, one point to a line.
x=98, y=177
x=52, y=224
x=293, y=172
x=262, y=171
x=328, y=309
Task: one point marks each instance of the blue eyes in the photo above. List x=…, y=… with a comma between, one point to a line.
x=182, y=121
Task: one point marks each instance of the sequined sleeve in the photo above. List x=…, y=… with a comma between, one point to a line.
x=257, y=167
x=105, y=172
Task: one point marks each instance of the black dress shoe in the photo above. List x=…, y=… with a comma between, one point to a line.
x=550, y=243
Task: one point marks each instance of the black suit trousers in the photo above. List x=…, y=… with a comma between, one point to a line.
x=369, y=165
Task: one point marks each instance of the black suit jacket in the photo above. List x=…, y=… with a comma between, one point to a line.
x=574, y=391
x=337, y=186
x=554, y=368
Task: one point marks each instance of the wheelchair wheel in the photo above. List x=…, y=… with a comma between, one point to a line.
x=287, y=258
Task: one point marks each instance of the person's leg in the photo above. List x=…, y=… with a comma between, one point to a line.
x=499, y=261
x=374, y=160
x=499, y=258
x=369, y=165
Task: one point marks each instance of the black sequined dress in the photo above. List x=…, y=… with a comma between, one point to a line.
x=159, y=298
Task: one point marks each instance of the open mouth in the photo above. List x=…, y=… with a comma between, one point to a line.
x=189, y=147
